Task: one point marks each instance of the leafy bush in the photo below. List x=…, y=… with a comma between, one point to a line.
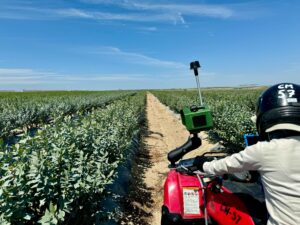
x=24, y=110
x=60, y=174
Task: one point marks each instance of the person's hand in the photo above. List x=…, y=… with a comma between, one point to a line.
x=199, y=161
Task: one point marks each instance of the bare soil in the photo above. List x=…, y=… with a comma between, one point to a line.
x=164, y=133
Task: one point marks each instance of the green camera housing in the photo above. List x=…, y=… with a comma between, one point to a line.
x=196, y=119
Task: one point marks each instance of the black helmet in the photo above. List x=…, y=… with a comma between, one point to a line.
x=278, y=108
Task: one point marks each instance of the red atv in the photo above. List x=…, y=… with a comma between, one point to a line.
x=192, y=198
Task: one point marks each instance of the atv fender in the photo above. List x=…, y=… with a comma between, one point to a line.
x=226, y=208
x=175, y=186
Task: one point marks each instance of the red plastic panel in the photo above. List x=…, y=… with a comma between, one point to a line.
x=179, y=187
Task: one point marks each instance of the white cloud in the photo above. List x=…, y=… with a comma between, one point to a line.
x=29, y=76
x=25, y=76
x=75, y=13
x=108, y=2
x=132, y=17
x=137, y=58
x=107, y=77
x=188, y=9
x=209, y=10
x=148, y=29
x=16, y=78
x=22, y=72
x=132, y=11
x=25, y=12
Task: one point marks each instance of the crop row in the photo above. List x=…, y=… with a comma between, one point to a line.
x=231, y=108
x=59, y=175
x=24, y=110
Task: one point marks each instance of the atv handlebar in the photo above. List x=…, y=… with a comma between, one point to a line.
x=188, y=166
x=178, y=153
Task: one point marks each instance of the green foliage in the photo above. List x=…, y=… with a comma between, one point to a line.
x=24, y=110
x=60, y=174
x=231, y=108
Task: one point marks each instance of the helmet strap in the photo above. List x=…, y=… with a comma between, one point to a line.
x=277, y=134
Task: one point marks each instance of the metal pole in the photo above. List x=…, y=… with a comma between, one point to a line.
x=204, y=199
x=198, y=86
x=194, y=66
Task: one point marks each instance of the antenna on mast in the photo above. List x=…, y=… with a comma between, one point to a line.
x=194, y=66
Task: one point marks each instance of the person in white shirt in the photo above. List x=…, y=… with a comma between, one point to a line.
x=276, y=156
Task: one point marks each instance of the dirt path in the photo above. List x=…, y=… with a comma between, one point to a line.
x=165, y=132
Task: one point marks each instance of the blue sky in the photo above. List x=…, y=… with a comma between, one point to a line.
x=143, y=44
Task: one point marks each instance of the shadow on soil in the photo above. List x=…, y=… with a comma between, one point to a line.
x=128, y=199
x=138, y=202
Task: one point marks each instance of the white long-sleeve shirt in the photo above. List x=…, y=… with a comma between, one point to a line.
x=278, y=163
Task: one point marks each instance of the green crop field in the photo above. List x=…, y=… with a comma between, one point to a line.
x=231, y=108
x=59, y=174
x=20, y=110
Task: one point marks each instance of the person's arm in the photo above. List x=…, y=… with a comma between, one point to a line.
x=248, y=159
